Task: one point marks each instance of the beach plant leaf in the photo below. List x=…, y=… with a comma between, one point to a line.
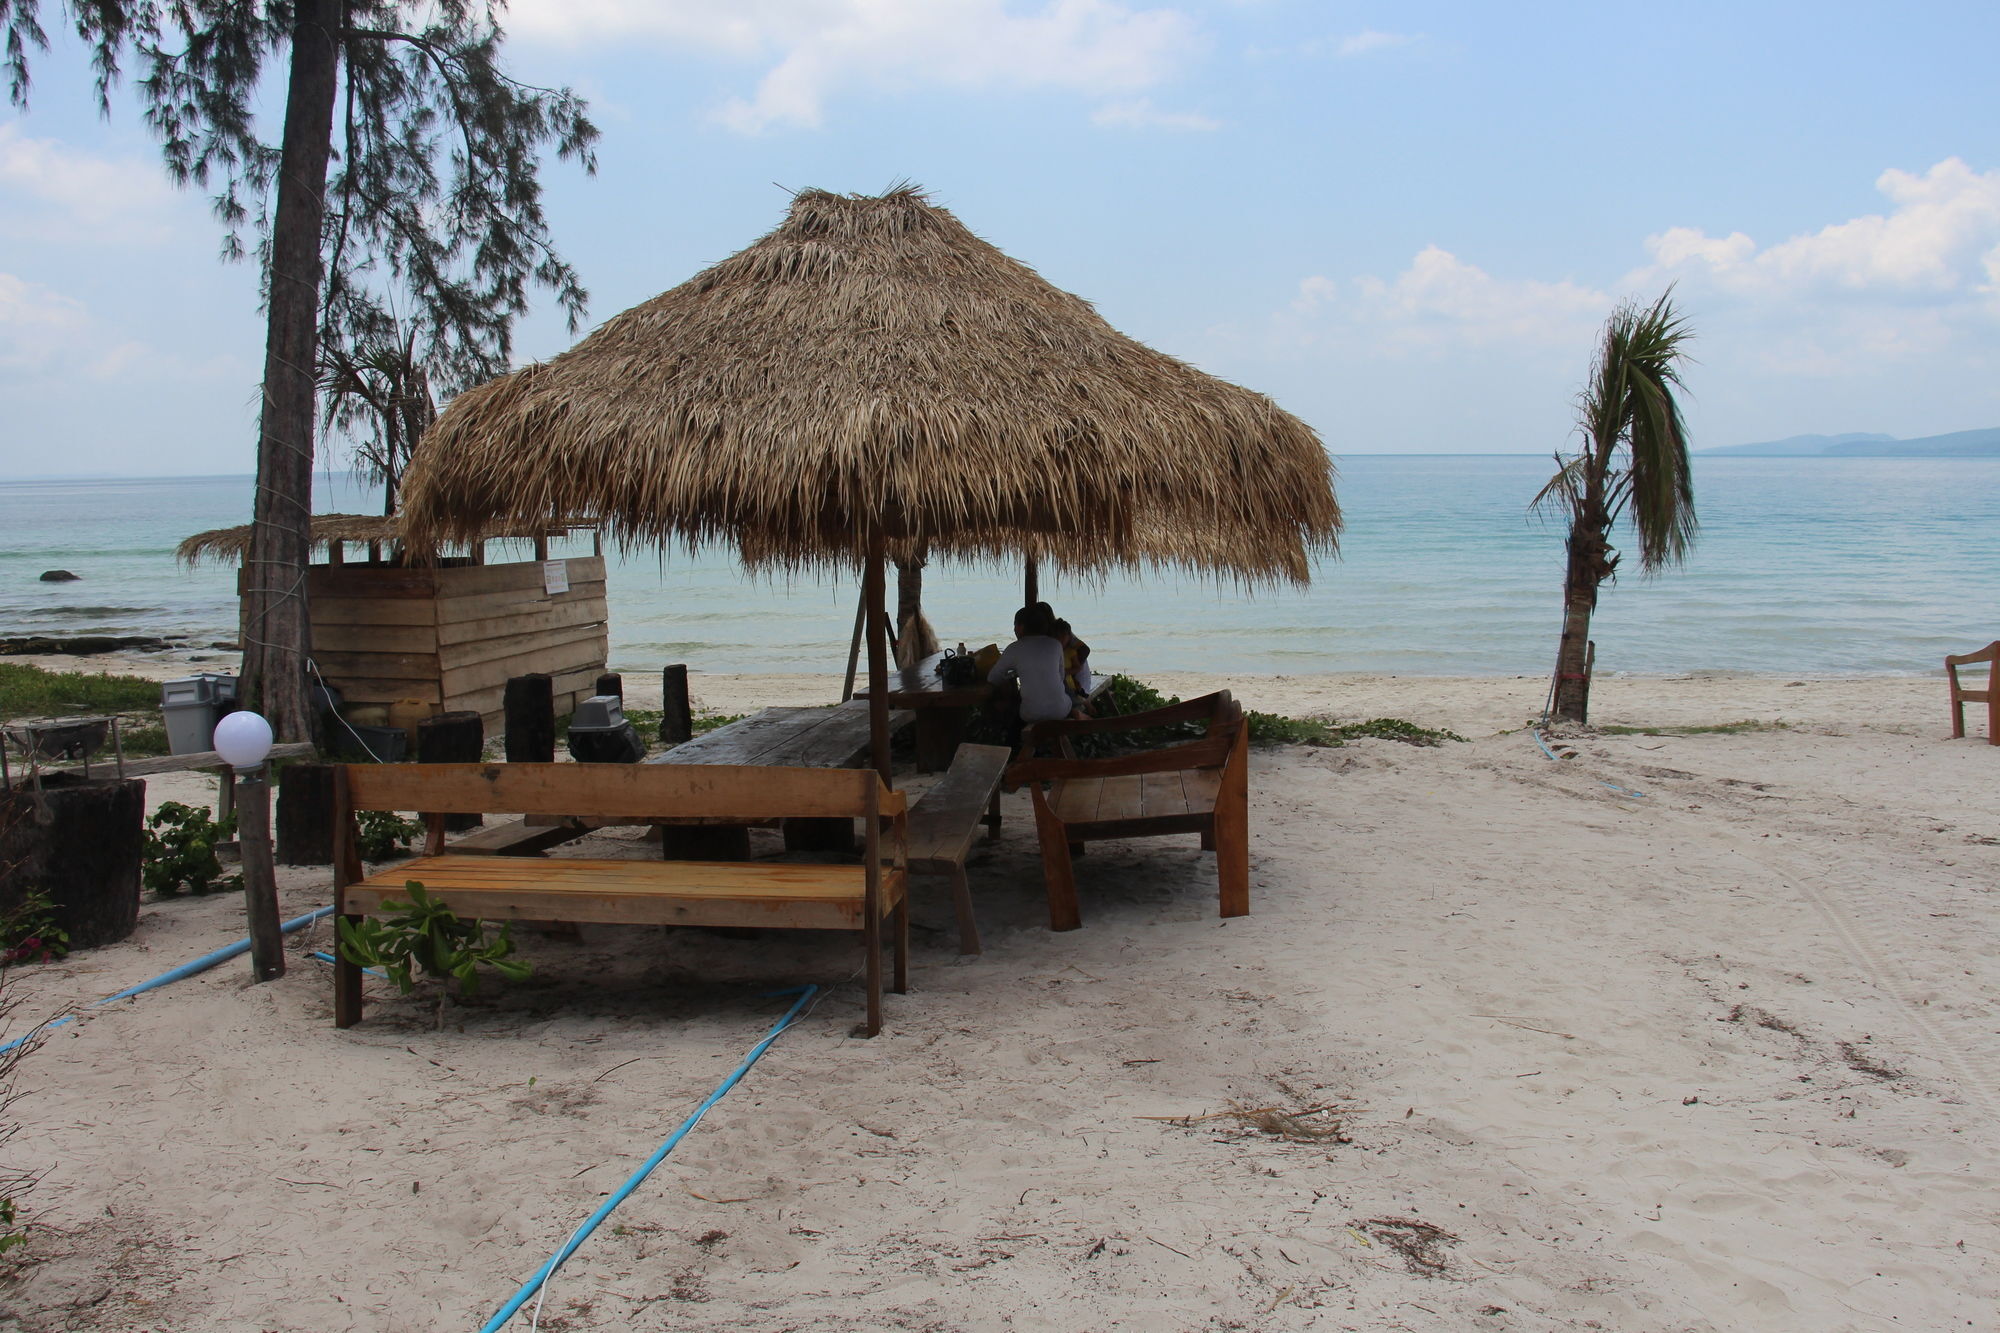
x=424, y=938
x=179, y=851
x=384, y=835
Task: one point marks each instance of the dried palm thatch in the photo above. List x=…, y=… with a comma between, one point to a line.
x=230, y=545
x=873, y=371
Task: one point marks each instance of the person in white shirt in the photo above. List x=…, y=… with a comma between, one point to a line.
x=1035, y=659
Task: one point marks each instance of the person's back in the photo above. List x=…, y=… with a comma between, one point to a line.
x=1035, y=658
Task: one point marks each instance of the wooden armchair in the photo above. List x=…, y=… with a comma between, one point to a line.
x=1200, y=786
x=1990, y=696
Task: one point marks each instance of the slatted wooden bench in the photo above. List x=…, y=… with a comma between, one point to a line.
x=1198, y=787
x=675, y=893
x=944, y=819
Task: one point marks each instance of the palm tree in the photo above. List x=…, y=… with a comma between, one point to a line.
x=1633, y=458
x=379, y=393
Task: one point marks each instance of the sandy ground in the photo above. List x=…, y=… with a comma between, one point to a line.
x=1687, y=1032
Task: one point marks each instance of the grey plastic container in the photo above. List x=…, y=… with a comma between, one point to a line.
x=191, y=707
x=600, y=734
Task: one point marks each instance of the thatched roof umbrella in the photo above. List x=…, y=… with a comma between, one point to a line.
x=872, y=373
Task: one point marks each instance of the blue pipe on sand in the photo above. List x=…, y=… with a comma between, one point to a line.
x=582, y=1233
x=201, y=964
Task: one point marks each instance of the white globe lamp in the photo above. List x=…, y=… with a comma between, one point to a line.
x=243, y=739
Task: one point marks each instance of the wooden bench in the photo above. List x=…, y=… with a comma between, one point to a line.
x=1198, y=787
x=944, y=819
x=671, y=893
x=1990, y=696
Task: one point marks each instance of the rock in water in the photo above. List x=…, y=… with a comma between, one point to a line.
x=59, y=576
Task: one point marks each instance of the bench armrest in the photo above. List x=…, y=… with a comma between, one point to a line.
x=1193, y=710
x=1209, y=752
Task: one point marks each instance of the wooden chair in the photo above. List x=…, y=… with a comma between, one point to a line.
x=1990, y=696
x=1201, y=787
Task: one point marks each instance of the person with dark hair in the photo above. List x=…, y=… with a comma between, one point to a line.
x=1076, y=665
x=1035, y=661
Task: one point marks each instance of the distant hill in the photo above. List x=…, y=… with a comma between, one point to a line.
x=1958, y=444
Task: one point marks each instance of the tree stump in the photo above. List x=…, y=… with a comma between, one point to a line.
x=453, y=738
x=305, y=815
x=79, y=841
x=530, y=704
x=676, y=718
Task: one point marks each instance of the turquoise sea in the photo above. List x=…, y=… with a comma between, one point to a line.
x=1804, y=566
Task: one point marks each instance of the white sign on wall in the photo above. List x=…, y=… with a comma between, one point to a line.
x=555, y=577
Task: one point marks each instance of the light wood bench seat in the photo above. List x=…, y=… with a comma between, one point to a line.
x=944, y=819
x=861, y=897
x=1198, y=787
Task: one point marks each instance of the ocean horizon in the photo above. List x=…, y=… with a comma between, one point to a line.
x=1803, y=566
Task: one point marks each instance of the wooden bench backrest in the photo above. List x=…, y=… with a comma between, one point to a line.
x=632, y=791
x=1989, y=655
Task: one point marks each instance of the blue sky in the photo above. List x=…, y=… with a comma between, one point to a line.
x=1404, y=222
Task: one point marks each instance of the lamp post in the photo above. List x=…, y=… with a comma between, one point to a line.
x=243, y=740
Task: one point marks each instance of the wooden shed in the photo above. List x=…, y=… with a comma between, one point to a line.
x=447, y=633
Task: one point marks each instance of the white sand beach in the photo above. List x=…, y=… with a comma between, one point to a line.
x=1686, y=1032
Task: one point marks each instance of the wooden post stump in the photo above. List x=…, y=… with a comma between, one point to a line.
x=305, y=815
x=79, y=841
x=453, y=738
x=676, y=716
x=530, y=704
x=611, y=682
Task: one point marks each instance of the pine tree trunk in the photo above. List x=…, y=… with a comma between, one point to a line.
x=1580, y=582
x=277, y=630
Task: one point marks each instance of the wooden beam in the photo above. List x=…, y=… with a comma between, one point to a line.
x=878, y=660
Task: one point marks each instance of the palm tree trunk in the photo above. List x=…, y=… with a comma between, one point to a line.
x=914, y=638
x=277, y=632
x=1581, y=576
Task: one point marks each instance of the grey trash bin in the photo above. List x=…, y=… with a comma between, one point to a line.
x=192, y=706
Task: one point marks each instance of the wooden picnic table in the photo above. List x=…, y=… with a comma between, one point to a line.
x=775, y=738
x=787, y=738
x=941, y=711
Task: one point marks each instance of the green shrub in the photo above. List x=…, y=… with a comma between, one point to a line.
x=29, y=691
x=29, y=934
x=180, y=850
x=426, y=937
x=384, y=834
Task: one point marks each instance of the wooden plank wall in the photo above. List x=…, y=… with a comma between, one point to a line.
x=451, y=637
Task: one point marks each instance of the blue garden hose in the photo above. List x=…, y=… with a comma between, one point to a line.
x=201, y=964
x=632, y=1182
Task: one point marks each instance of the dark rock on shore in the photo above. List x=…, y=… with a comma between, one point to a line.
x=83, y=645
x=60, y=576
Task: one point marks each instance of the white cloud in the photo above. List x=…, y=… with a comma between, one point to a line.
x=47, y=335
x=1140, y=114
x=1941, y=235
x=815, y=49
x=51, y=191
x=1440, y=302
x=34, y=323
x=1369, y=41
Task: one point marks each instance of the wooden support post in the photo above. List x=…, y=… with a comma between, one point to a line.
x=878, y=661
x=541, y=546
x=260, y=875
x=611, y=683
x=305, y=815
x=676, y=714
x=453, y=738
x=854, y=645
x=530, y=705
x=1031, y=582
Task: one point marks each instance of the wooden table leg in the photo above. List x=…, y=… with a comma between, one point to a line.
x=704, y=842
x=939, y=731
x=819, y=835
